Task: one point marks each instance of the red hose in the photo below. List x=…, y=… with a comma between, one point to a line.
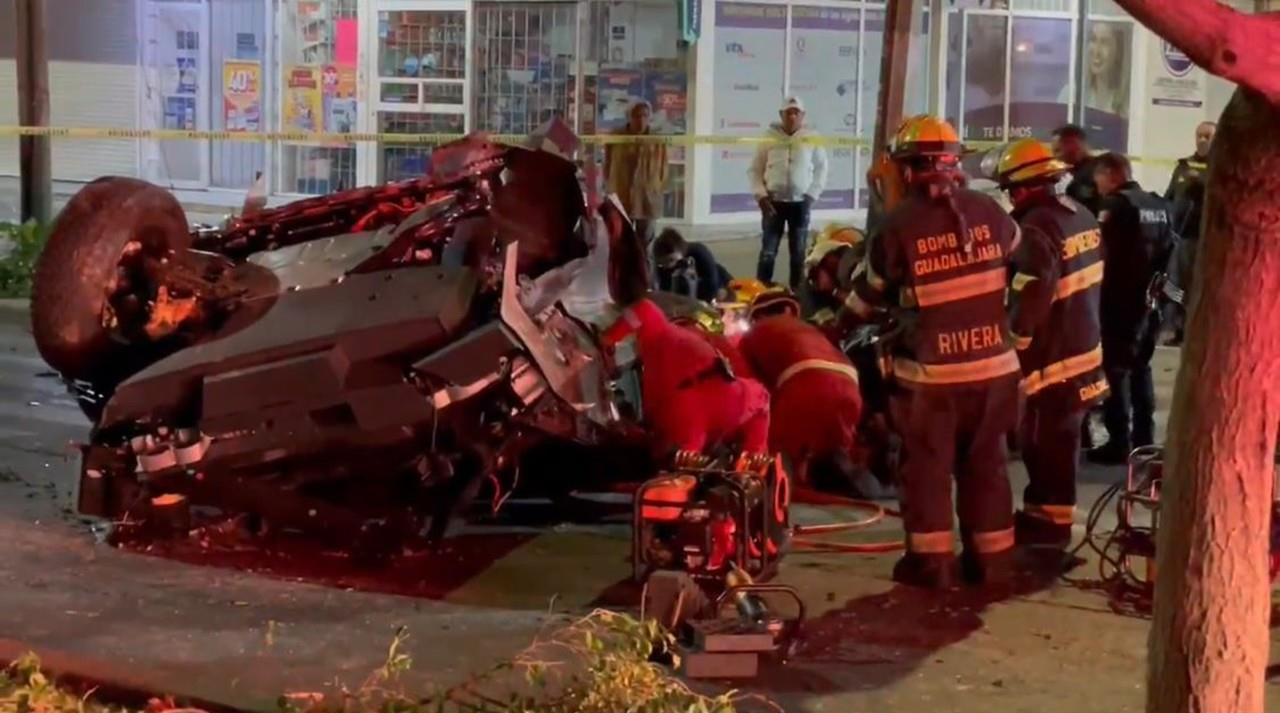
x=801, y=542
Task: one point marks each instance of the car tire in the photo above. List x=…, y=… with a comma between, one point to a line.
x=85, y=247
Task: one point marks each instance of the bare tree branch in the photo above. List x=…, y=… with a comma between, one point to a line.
x=1242, y=48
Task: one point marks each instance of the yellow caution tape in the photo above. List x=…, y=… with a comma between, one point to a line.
x=331, y=138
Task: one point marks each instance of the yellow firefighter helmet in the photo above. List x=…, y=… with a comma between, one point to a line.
x=925, y=135
x=1028, y=160
x=744, y=290
x=775, y=300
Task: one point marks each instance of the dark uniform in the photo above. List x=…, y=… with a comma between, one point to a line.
x=1186, y=192
x=1082, y=188
x=1137, y=240
x=1057, y=290
x=954, y=367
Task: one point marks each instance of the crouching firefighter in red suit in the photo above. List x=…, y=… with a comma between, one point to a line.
x=1056, y=294
x=692, y=397
x=939, y=261
x=815, y=400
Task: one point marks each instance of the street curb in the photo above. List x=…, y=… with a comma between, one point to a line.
x=15, y=305
x=105, y=682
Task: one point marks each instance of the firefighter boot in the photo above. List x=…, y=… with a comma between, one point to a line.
x=1031, y=531
x=929, y=571
x=990, y=570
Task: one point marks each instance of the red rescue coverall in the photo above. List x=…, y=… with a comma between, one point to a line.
x=815, y=401
x=690, y=400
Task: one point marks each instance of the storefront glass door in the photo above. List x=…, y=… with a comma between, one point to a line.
x=423, y=50
x=175, y=95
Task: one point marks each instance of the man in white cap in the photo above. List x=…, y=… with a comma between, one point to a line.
x=787, y=178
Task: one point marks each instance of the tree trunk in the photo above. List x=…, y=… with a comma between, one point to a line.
x=1209, y=637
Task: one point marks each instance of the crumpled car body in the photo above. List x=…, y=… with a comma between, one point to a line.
x=357, y=366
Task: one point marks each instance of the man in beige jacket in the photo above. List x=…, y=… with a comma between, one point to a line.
x=637, y=172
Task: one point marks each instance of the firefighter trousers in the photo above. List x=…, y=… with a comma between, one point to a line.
x=1051, y=430
x=958, y=430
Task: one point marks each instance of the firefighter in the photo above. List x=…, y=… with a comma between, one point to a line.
x=940, y=262
x=831, y=260
x=1056, y=292
x=801, y=368
x=1138, y=241
x=693, y=399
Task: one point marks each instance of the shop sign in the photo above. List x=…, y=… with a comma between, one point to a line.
x=242, y=95
x=1178, y=82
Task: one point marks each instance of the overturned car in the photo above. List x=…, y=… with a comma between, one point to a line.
x=357, y=366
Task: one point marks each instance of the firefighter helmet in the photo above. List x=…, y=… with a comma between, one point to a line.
x=1028, y=160
x=832, y=237
x=775, y=300
x=925, y=135
x=744, y=290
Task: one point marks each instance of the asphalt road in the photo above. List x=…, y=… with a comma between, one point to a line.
x=242, y=631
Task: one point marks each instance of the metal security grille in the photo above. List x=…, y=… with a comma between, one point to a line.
x=403, y=162
x=312, y=26
x=525, y=62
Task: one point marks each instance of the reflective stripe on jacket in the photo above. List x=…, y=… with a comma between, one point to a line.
x=1056, y=293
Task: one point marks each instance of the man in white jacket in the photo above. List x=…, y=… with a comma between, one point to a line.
x=786, y=179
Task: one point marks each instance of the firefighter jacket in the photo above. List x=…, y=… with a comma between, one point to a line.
x=814, y=396
x=1055, y=295
x=1137, y=242
x=939, y=264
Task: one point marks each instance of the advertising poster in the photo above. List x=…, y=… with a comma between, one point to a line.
x=339, y=89
x=1039, y=77
x=242, y=95
x=188, y=76
x=303, y=100
x=1177, y=81
x=750, y=42
x=824, y=74
x=1108, y=46
x=618, y=89
x=668, y=94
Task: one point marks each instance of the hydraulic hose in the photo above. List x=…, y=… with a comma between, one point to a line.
x=802, y=535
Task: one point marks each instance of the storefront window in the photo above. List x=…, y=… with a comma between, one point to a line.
x=1107, y=49
x=421, y=85
x=983, y=93
x=1039, y=76
x=318, y=54
x=524, y=61
x=632, y=52
x=400, y=162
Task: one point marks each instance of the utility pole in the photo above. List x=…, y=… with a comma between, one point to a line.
x=33, y=110
x=893, y=90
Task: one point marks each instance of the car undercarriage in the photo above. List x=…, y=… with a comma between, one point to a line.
x=356, y=366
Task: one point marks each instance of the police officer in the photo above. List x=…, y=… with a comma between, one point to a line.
x=1186, y=192
x=940, y=262
x=1056, y=292
x=1137, y=239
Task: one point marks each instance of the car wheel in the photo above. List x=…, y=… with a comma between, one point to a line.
x=99, y=274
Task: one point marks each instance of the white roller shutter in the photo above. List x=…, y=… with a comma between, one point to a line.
x=93, y=82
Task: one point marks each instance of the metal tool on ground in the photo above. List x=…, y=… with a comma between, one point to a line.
x=730, y=636
x=1127, y=554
